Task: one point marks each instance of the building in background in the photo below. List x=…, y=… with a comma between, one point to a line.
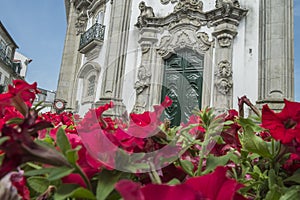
x=8, y=69
x=199, y=53
x=47, y=98
x=21, y=62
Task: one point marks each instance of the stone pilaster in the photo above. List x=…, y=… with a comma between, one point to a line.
x=115, y=58
x=276, y=64
x=148, y=38
x=224, y=32
x=70, y=60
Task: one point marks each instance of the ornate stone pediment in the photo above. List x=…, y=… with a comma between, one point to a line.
x=185, y=12
x=184, y=39
x=191, y=12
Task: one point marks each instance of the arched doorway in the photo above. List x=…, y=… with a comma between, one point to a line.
x=182, y=82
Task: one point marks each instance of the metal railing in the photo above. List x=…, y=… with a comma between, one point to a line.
x=96, y=32
x=5, y=59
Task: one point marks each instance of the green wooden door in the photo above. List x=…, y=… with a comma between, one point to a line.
x=183, y=77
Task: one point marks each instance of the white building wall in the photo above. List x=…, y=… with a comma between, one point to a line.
x=24, y=63
x=245, y=54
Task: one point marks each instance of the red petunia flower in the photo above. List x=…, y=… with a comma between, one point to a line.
x=214, y=186
x=146, y=124
x=283, y=126
x=20, y=146
x=20, y=95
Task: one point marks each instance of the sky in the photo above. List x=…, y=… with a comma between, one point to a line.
x=39, y=26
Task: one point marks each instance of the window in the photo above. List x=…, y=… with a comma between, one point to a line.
x=99, y=18
x=91, y=86
x=9, y=53
x=6, y=81
x=87, y=83
x=2, y=45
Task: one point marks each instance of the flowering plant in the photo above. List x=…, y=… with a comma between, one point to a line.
x=226, y=156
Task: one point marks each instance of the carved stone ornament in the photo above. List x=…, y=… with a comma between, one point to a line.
x=189, y=4
x=145, y=47
x=143, y=82
x=145, y=12
x=141, y=86
x=184, y=39
x=225, y=39
x=224, y=77
x=225, y=3
x=81, y=22
x=164, y=2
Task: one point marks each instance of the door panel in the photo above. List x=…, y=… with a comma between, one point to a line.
x=183, y=77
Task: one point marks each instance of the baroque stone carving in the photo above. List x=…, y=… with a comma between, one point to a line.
x=140, y=86
x=81, y=22
x=225, y=39
x=226, y=3
x=145, y=12
x=168, y=1
x=184, y=39
x=189, y=4
x=224, y=77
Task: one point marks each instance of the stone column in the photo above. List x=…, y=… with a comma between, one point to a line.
x=276, y=63
x=148, y=38
x=70, y=59
x=115, y=58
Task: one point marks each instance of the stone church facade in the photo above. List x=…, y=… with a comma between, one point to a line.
x=199, y=53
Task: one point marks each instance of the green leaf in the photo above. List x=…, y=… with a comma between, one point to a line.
x=274, y=193
x=254, y=144
x=106, y=183
x=249, y=122
x=59, y=172
x=15, y=121
x=39, y=171
x=174, y=181
x=212, y=162
x=187, y=166
x=293, y=193
x=62, y=141
x=294, y=178
x=38, y=184
x=72, y=155
x=3, y=139
x=73, y=191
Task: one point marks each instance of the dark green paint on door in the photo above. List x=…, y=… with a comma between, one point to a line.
x=183, y=78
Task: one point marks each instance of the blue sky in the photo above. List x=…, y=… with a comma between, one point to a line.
x=39, y=27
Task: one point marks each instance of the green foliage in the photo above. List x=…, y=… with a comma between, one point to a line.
x=73, y=191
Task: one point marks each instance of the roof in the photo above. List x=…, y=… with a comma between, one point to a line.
x=8, y=35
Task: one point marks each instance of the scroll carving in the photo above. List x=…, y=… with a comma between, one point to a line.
x=224, y=77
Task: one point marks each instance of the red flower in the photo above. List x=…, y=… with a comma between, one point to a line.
x=89, y=165
x=146, y=124
x=20, y=146
x=19, y=181
x=20, y=95
x=283, y=126
x=133, y=191
x=214, y=186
